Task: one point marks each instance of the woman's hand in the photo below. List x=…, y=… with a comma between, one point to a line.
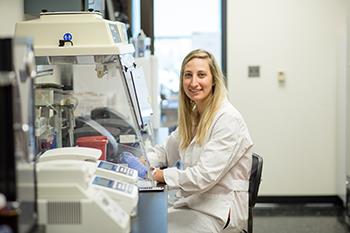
x=158, y=175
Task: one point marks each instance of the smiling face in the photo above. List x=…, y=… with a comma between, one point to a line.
x=197, y=81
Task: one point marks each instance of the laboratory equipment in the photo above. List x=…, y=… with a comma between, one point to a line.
x=71, y=153
x=117, y=172
x=149, y=66
x=54, y=116
x=32, y=8
x=98, y=142
x=111, y=120
x=17, y=144
x=103, y=75
x=125, y=194
x=75, y=155
x=67, y=202
x=82, y=172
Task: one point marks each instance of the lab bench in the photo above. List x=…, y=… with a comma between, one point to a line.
x=152, y=213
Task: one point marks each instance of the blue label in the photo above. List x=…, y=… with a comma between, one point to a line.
x=67, y=36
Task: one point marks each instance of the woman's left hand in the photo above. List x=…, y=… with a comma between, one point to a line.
x=158, y=175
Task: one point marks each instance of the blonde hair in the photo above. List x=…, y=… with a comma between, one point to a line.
x=188, y=115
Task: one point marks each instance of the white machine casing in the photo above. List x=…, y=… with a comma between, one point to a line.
x=69, y=178
x=100, y=37
x=61, y=174
x=103, y=168
x=71, y=153
x=125, y=194
x=76, y=214
x=66, y=203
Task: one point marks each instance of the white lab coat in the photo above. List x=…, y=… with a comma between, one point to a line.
x=215, y=176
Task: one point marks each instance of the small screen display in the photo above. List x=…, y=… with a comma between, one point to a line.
x=103, y=182
x=106, y=166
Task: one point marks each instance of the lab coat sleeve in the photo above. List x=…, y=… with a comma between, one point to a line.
x=226, y=144
x=167, y=154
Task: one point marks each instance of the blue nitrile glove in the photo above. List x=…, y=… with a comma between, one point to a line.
x=133, y=162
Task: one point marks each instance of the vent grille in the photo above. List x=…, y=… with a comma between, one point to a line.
x=63, y=213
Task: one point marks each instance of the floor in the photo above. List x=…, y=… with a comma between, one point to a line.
x=292, y=218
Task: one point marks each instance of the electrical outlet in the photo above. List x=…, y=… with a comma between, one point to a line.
x=253, y=71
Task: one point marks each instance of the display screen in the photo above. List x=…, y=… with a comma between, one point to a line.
x=103, y=182
x=105, y=165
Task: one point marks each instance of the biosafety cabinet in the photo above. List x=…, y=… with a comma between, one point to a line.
x=88, y=84
x=88, y=92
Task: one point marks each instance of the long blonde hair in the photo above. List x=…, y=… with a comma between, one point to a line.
x=188, y=115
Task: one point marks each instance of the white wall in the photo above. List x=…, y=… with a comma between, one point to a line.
x=11, y=12
x=343, y=120
x=347, y=102
x=294, y=126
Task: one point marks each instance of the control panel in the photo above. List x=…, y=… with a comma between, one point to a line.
x=125, y=194
x=116, y=171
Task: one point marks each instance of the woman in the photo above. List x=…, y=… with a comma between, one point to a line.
x=213, y=143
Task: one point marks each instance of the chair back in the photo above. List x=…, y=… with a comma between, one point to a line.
x=254, y=184
x=255, y=179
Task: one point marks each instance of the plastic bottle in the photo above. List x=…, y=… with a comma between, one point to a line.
x=140, y=44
